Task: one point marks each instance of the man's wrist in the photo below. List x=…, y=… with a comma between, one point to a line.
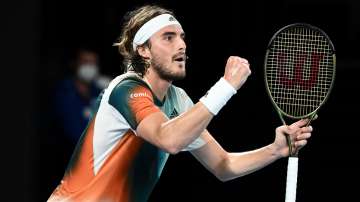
x=274, y=151
x=218, y=96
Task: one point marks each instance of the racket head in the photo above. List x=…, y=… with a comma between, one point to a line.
x=300, y=67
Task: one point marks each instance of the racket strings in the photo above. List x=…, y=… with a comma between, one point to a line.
x=299, y=70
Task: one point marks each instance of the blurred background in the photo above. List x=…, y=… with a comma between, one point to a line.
x=58, y=55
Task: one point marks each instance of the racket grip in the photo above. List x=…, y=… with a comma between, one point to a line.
x=291, y=179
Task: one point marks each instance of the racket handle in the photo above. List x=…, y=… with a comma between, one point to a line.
x=291, y=180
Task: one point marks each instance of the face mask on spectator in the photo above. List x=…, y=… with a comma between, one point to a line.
x=87, y=72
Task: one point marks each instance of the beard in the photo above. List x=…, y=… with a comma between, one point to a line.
x=165, y=73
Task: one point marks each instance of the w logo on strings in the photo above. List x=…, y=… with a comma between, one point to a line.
x=296, y=68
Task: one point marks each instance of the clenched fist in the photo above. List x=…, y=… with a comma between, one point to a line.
x=237, y=70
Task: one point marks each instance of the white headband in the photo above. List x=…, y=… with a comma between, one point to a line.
x=151, y=27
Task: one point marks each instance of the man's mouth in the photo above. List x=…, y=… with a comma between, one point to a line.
x=179, y=58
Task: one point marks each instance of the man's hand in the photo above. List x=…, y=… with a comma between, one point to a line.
x=298, y=133
x=237, y=70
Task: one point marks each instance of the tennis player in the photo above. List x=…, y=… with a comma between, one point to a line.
x=142, y=118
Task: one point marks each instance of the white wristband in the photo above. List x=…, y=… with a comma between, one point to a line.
x=218, y=95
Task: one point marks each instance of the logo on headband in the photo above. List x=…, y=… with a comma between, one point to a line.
x=171, y=18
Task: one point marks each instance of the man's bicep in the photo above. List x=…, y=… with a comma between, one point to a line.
x=149, y=128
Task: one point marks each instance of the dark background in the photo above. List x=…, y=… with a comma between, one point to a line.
x=39, y=36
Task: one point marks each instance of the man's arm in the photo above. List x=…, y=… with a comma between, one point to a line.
x=174, y=135
x=226, y=166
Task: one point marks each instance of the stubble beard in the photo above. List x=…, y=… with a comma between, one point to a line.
x=166, y=73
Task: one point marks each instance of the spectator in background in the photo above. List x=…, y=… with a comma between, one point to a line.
x=75, y=94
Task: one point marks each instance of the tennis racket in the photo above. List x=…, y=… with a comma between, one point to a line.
x=300, y=66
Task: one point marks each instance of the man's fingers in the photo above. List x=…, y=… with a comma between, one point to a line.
x=245, y=61
x=284, y=129
x=300, y=143
x=303, y=136
x=300, y=123
x=303, y=122
x=307, y=129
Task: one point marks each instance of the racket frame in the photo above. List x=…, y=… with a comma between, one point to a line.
x=268, y=49
x=292, y=172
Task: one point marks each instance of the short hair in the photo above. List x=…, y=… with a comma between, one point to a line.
x=133, y=21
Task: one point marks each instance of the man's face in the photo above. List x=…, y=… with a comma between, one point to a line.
x=168, y=57
x=87, y=58
x=86, y=68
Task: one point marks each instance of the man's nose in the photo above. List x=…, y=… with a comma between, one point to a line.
x=181, y=44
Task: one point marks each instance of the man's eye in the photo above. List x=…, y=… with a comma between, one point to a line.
x=168, y=38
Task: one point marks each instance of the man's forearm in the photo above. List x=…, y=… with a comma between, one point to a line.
x=240, y=164
x=184, y=129
x=174, y=135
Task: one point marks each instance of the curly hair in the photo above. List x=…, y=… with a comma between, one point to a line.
x=133, y=21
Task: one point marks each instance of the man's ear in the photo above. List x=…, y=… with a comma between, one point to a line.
x=144, y=51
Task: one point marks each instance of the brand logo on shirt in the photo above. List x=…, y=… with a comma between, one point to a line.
x=136, y=95
x=174, y=114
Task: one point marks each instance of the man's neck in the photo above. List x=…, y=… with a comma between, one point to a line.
x=157, y=85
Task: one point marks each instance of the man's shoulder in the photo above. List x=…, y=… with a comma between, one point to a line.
x=130, y=83
x=127, y=80
x=129, y=87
